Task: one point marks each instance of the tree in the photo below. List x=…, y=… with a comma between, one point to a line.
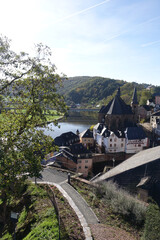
x=28, y=91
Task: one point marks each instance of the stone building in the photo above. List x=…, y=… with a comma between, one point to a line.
x=117, y=115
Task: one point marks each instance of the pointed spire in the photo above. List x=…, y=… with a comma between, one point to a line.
x=134, y=98
x=118, y=92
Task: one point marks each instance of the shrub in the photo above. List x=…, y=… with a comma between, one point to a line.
x=152, y=223
x=123, y=203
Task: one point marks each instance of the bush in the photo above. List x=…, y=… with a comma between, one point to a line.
x=122, y=202
x=152, y=223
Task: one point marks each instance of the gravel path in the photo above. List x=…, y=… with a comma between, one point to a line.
x=103, y=232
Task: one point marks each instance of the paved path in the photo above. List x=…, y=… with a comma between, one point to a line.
x=84, y=212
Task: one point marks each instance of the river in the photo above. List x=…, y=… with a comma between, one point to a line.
x=75, y=120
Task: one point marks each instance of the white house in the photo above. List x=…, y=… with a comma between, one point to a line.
x=153, y=119
x=116, y=142
x=157, y=127
x=136, y=140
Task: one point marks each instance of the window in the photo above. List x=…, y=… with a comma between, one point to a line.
x=79, y=167
x=121, y=144
x=110, y=145
x=79, y=161
x=115, y=145
x=115, y=139
x=139, y=145
x=110, y=139
x=86, y=161
x=122, y=139
x=86, y=166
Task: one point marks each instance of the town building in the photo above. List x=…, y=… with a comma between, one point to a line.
x=144, y=112
x=153, y=119
x=66, y=139
x=136, y=140
x=117, y=115
x=86, y=138
x=142, y=170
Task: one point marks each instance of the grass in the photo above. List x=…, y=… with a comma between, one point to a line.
x=37, y=216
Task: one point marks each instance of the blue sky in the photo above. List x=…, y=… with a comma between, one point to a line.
x=114, y=38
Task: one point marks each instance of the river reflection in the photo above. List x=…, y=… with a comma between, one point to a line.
x=75, y=120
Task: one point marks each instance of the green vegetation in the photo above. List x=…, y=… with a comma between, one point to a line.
x=30, y=85
x=151, y=229
x=37, y=217
x=114, y=207
x=93, y=91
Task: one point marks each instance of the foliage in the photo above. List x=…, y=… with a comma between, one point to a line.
x=122, y=202
x=92, y=91
x=46, y=229
x=29, y=85
x=151, y=229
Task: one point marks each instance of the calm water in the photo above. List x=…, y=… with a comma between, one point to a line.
x=76, y=120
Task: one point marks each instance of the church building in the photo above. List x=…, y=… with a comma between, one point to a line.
x=117, y=115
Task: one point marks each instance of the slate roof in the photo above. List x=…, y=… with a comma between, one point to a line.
x=105, y=132
x=156, y=113
x=105, y=109
x=119, y=107
x=139, y=159
x=119, y=134
x=99, y=127
x=78, y=149
x=87, y=134
x=64, y=139
x=134, y=98
x=133, y=133
x=147, y=107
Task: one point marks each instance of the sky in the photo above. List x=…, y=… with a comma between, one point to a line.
x=119, y=39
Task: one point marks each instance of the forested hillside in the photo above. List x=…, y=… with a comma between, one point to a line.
x=95, y=91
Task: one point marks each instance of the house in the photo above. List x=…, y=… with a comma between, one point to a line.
x=144, y=112
x=67, y=159
x=153, y=119
x=150, y=102
x=131, y=141
x=131, y=172
x=86, y=138
x=66, y=139
x=116, y=142
x=136, y=139
x=157, y=127
x=97, y=129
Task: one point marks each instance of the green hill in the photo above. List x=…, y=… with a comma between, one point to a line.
x=92, y=91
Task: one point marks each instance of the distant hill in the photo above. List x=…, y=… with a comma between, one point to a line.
x=92, y=91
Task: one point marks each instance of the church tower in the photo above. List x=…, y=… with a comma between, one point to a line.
x=134, y=105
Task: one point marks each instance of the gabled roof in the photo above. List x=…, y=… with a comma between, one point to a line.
x=133, y=133
x=87, y=134
x=119, y=107
x=99, y=127
x=119, y=134
x=105, y=132
x=104, y=109
x=139, y=159
x=78, y=149
x=64, y=138
x=156, y=113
